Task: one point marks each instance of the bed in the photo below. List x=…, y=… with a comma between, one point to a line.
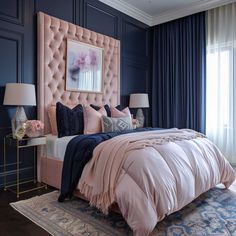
x=156, y=172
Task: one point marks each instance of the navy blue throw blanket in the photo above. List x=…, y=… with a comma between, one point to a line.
x=78, y=153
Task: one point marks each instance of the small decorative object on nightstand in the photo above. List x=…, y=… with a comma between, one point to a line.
x=34, y=128
x=139, y=100
x=9, y=141
x=18, y=94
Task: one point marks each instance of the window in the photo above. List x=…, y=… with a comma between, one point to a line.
x=221, y=79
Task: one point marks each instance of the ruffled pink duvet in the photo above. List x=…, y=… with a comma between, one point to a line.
x=154, y=178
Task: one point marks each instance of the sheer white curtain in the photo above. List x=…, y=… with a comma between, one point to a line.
x=221, y=79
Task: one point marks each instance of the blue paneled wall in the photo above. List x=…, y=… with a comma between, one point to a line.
x=18, y=44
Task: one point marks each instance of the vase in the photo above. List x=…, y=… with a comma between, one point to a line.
x=34, y=134
x=140, y=117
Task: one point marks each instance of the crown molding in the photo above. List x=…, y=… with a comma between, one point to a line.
x=130, y=10
x=166, y=16
x=191, y=9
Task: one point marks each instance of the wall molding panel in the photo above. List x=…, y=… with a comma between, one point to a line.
x=108, y=19
x=16, y=16
x=136, y=46
x=138, y=74
x=18, y=38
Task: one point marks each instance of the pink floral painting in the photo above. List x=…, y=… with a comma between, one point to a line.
x=84, y=67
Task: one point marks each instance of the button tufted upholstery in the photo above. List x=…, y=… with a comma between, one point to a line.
x=52, y=34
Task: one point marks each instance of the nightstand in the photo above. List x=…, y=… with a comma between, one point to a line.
x=10, y=142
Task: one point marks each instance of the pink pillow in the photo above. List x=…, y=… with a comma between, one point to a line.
x=118, y=114
x=92, y=120
x=53, y=119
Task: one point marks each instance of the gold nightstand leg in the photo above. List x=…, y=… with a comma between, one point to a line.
x=17, y=170
x=5, y=180
x=34, y=166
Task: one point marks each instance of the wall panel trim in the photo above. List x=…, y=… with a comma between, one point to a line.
x=19, y=20
x=126, y=49
x=18, y=37
x=87, y=4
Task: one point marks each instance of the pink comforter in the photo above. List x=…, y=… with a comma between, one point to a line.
x=153, y=177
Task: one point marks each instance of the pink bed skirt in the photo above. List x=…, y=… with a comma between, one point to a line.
x=51, y=171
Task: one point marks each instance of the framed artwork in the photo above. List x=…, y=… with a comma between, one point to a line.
x=84, y=67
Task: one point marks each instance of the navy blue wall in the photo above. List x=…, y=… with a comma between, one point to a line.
x=17, y=64
x=18, y=52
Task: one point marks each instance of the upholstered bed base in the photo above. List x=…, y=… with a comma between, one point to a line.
x=51, y=172
x=53, y=178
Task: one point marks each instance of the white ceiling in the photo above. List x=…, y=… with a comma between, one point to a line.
x=153, y=12
x=155, y=7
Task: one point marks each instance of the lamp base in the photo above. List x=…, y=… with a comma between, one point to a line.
x=19, y=118
x=140, y=117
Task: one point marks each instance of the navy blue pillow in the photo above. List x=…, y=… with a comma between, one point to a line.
x=69, y=121
x=107, y=108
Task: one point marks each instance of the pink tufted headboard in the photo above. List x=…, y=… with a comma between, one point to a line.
x=52, y=34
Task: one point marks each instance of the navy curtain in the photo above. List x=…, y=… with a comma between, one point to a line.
x=179, y=73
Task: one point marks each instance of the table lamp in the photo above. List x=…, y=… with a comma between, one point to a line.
x=19, y=94
x=139, y=100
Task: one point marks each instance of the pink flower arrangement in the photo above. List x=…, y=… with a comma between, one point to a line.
x=34, y=128
x=86, y=60
x=82, y=60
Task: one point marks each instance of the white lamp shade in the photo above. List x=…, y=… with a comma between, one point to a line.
x=18, y=94
x=138, y=100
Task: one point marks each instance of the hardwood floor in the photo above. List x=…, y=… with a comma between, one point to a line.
x=13, y=223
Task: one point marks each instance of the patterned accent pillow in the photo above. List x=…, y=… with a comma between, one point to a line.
x=110, y=124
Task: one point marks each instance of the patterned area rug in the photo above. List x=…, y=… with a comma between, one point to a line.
x=211, y=214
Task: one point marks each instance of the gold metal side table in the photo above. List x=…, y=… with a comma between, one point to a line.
x=9, y=141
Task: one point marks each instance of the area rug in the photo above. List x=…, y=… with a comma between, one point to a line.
x=211, y=214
